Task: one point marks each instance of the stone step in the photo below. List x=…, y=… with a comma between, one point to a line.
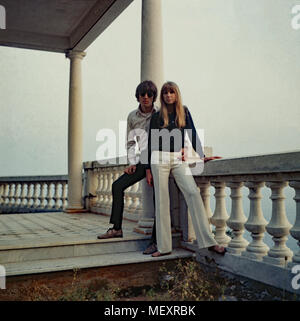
x=51, y=249
x=88, y=261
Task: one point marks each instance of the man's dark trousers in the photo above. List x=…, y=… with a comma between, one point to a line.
x=118, y=188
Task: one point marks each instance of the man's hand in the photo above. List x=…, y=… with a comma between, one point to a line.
x=130, y=170
x=206, y=159
x=149, y=177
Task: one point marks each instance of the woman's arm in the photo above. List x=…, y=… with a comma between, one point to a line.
x=193, y=136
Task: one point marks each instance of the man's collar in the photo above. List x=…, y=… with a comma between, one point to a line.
x=139, y=110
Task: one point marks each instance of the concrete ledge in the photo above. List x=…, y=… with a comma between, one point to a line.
x=276, y=276
x=45, y=178
x=63, y=264
x=259, y=164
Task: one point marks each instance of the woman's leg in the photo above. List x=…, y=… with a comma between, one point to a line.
x=187, y=185
x=161, y=174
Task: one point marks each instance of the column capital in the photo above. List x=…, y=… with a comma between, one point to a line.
x=71, y=54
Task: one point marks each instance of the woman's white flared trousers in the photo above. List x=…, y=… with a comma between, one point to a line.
x=162, y=164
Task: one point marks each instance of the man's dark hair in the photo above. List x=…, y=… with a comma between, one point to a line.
x=145, y=86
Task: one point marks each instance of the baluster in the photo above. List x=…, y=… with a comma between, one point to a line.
x=49, y=196
x=237, y=219
x=6, y=194
x=278, y=227
x=17, y=195
x=220, y=215
x=256, y=223
x=29, y=197
x=56, y=196
x=1, y=194
x=64, y=195
x=110, y=182
x=12, y=188
x=105, y=191
x=134, y=197
x=24, y=192
x=139, y=205
x=42, y=196
x=295, y=231
x=35, y=204
x=127, y=199
x=99, y=191
x=205, y=194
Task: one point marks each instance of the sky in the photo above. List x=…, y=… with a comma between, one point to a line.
x=236, y=63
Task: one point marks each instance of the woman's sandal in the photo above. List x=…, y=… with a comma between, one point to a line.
x=217, y=249
x=157, y=254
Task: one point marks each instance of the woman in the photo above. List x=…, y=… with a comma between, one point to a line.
x=166, y=154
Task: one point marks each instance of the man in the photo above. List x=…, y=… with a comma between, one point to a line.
x=138, y=122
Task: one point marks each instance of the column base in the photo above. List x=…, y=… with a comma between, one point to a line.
x=280, y=261
x=291, y=264
x=75, y=210
x=143, y=230
x=253, y=256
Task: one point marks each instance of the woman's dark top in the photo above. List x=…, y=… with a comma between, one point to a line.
x=171, y=138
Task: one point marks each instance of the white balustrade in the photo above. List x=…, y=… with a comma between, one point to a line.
x=31, y=194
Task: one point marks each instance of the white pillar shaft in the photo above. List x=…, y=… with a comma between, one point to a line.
x=75, y=133
x=152, y=43
x=151, y=69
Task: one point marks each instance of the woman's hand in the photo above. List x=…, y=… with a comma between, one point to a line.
x=149, y=177
x=183, y=155
x=207, y=159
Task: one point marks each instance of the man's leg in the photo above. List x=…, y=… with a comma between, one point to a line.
x=118, y=188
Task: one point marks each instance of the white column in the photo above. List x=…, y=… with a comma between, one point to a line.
x=75, y=134
x=147, y=214
x=151, y=69
x=152, y=43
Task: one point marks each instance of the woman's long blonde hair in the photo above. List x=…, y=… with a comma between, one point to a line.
x=179, y=109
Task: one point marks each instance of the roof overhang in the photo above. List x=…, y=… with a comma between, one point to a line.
x=57, y=25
